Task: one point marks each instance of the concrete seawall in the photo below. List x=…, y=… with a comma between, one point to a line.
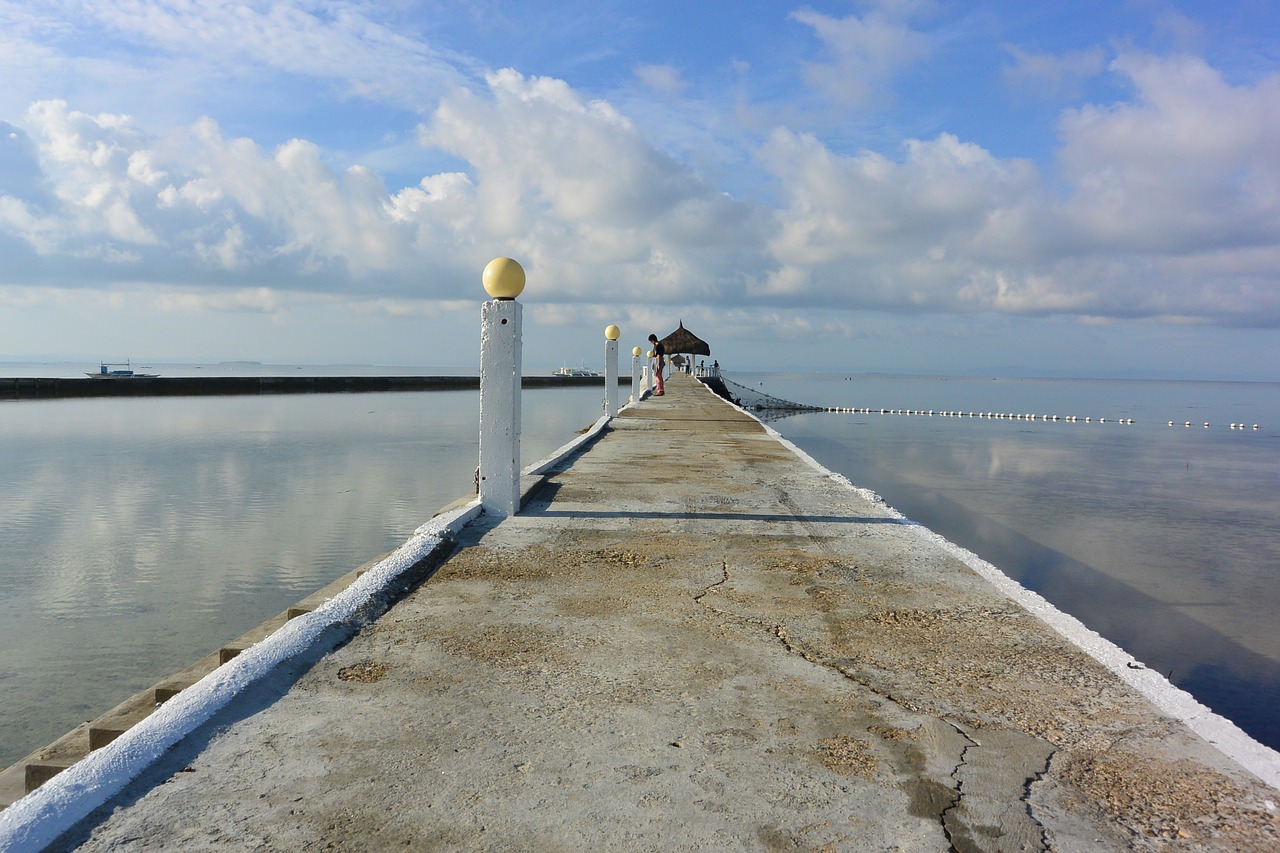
x=690, y=638
x=32, y=388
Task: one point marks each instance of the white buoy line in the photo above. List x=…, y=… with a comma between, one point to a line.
x=1011, y=416
x=1207, y=425
x=1000, y=416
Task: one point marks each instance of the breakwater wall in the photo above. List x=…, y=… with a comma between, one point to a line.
x=34, y=388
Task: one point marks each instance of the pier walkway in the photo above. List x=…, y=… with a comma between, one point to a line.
x=691, y=638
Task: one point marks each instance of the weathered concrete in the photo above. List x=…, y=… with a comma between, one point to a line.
x=690, y=639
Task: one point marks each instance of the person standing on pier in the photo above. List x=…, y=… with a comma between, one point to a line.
x=660, y=354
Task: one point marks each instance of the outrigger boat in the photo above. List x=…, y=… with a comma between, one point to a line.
x=108, y=370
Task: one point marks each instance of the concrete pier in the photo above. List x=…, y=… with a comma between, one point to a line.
x=690, y=638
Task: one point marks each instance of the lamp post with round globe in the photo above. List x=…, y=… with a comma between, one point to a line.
x=500, y=350
x=611, y=335
x=635, y=374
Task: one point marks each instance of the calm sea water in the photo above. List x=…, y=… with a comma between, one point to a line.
x=1166, y=540
x=138, y=535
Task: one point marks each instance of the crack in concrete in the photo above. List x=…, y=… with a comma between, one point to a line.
x=779, y=631
x=772, y=627
x=1026, y=798
x=707, y=590
x=956, y=829
x=958, y=788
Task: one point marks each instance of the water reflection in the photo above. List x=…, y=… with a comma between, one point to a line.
x=141, y=534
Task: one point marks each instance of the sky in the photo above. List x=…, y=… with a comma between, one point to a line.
x=902, y=186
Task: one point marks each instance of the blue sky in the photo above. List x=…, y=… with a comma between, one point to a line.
x=1089, y=188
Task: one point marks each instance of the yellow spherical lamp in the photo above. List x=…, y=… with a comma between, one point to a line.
x=503, y=278
x=651, y=353
x=636, y=352
x=612, y=333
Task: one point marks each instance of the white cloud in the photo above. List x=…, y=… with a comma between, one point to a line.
x=40, y=232
x=907, y=234
x=592, y=204
x=1169, y=207
x=90, y=163
x=1052, y=75
x=258, y=300
x=228, y=253
x=1172, y=210
x=663, y=79
x=1190, y=165
x=864, y=52
x=352, y=43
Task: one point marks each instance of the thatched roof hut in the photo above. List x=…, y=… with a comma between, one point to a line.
x=685, y=341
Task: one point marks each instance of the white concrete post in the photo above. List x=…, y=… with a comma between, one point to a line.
x=635, y=375
x=500, y=356
x=611, y=334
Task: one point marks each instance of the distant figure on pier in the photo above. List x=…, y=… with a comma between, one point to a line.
x=661, y=355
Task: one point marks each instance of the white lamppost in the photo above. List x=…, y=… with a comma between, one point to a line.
x=635, y=374
x=499, y=484
x=611, y=335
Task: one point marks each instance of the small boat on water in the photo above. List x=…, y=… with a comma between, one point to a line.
x=574, y=371
x=108, y=370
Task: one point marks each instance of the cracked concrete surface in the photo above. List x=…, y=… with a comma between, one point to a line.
x=689, y=639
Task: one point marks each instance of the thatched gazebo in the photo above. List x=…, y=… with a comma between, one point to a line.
x=683, y=341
